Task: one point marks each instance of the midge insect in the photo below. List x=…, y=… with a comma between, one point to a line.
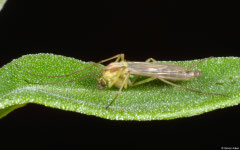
x=118, y=74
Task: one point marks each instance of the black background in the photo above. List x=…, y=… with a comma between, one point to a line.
x=94, y=30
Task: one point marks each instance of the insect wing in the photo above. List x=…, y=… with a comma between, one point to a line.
x=159, y=70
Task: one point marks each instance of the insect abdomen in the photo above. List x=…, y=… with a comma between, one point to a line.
x=175, y=75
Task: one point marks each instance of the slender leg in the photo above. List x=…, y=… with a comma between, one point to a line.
x=143, y=81
x=150, y=60
x=119, y=91
x=184, y=88
x=133, y=80
x=135, y=77
x=120, y=57
x=197, y=63
x=188, y=67
x=117, y=57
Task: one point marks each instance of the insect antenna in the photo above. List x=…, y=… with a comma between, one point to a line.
x=66, y=75
x=70, y=81
x=200, y=61
x=59, y=76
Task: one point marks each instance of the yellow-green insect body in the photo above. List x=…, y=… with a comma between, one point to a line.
x=115, y=73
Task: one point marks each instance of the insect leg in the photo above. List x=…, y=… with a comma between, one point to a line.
x=195, y=64
x=184, y=88
x=143, y=81
x=150, y=60
x=133, y=80
x=120, y=57
x=119, y=91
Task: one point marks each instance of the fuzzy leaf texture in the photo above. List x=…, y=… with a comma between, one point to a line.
x=151, y=101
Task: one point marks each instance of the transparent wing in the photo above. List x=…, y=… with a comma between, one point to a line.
x=160, y=70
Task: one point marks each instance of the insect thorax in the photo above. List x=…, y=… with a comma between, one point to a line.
x=115, y=73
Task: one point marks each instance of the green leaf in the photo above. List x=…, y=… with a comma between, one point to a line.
x=151, y=101
x=7, y=110
x=2, y=2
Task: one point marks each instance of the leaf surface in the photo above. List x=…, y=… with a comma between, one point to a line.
x=151, y=101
